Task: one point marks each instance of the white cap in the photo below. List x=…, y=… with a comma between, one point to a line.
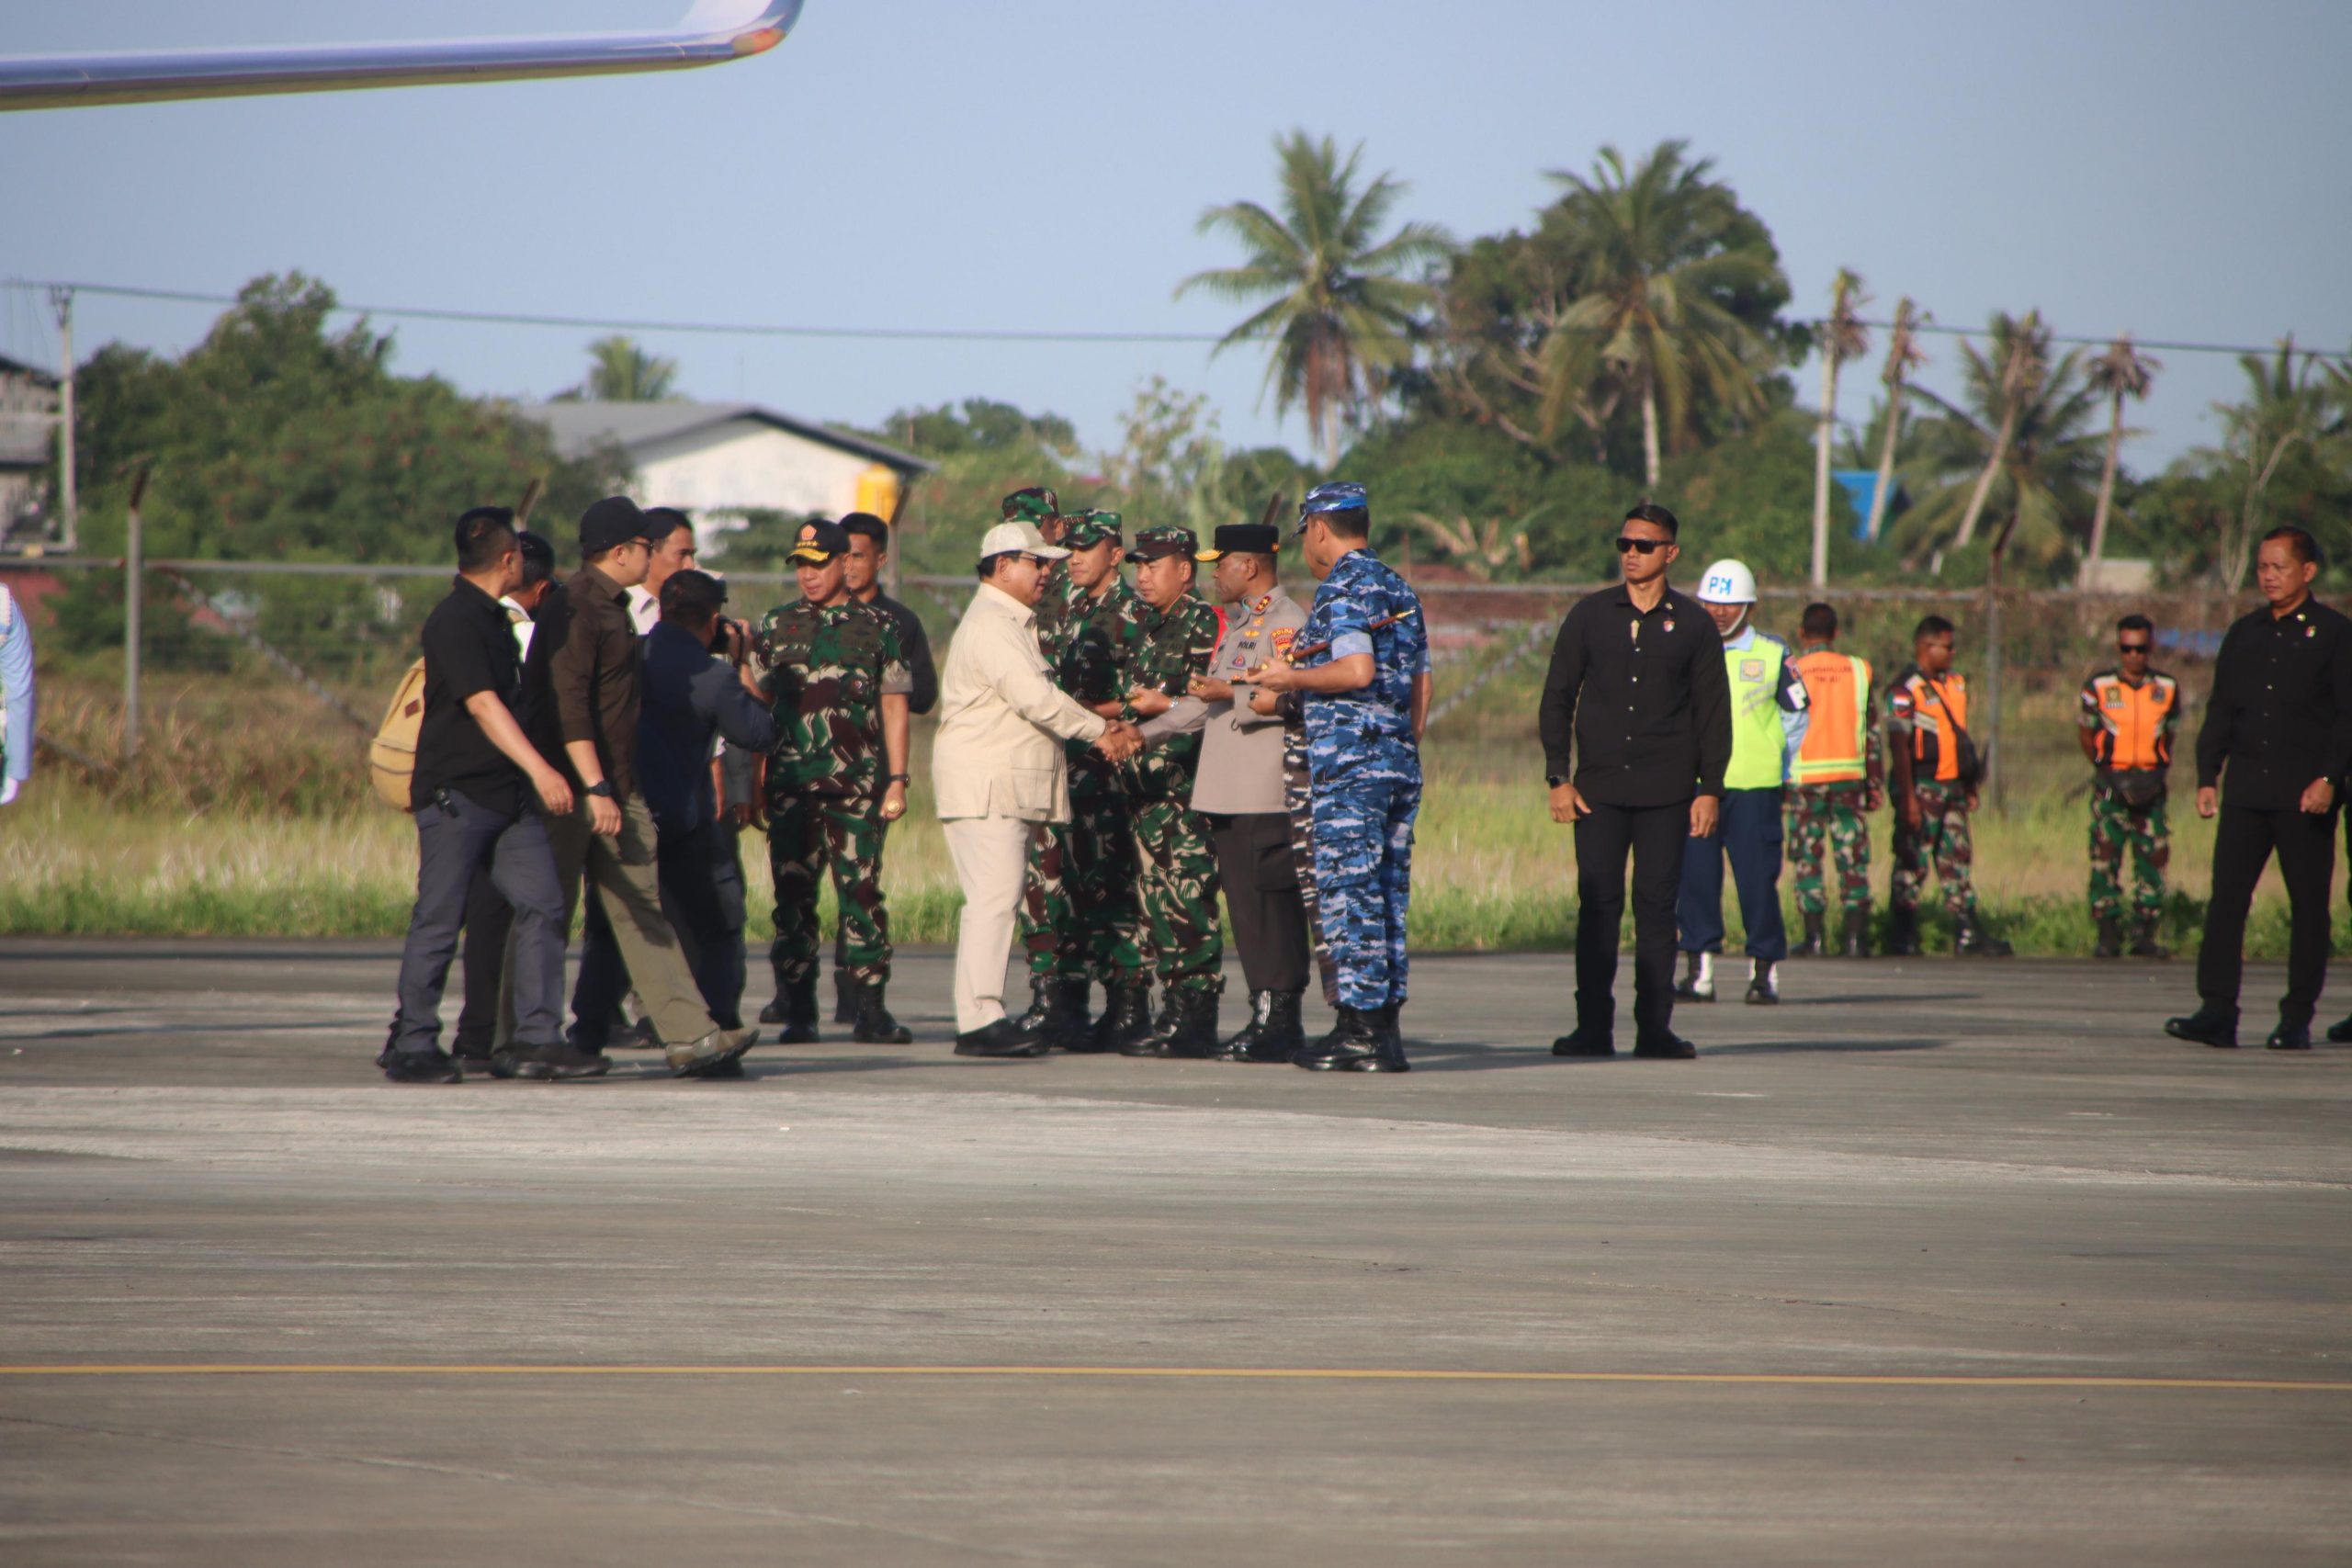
x=1727, y=583
x=1006, y=537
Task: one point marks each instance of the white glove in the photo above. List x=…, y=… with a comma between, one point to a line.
x=8, y=788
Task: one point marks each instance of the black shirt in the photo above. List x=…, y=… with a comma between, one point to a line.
x=468, y=649
x=688, y=697
x=915, y=643
x=1649, y=698
x=2281, y=710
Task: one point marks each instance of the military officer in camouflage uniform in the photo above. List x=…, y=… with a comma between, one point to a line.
x=1935, y=773
x=1839, y=780
x=1362, y=663
x=838, y=682
x=1167, y=635
x=2129, y=714
x=1082, y=914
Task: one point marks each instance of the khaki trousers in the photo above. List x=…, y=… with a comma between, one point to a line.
x=626, y=871
x=991, y=855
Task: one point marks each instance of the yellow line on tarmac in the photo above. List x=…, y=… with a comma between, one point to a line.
x=1328, y=1374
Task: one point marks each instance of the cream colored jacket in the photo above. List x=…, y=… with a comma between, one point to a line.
x=1002, y=721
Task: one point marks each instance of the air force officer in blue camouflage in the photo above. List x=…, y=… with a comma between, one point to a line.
x=1363, y=663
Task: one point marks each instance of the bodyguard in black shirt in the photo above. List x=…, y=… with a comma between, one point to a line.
x=2280, y=723
x=1637, y=679
x=473, y=765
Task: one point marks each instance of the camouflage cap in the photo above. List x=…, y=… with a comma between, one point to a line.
x=1035, y=504
x=1341, y=495
x=1151, y=544
x=1082, y=529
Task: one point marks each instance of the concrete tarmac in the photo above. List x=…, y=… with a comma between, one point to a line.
x=1940, y=1261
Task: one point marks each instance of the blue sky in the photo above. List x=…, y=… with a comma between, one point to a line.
x=2180, y=170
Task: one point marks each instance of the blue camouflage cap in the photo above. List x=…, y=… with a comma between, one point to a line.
x=1341, y=495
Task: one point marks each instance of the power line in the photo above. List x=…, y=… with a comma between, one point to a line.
x=957, y=335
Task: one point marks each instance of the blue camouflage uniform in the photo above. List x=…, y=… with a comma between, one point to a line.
x=1365, y=770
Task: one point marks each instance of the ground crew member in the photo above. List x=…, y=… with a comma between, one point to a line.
x=1839, y=780
x=1082, y=918
x=837, y=682
x=1638, y=683
x=1768, y=716
x=1239, y=789
x=1936, y=775
x=2281, y=720
x=1170, y=635
x=1362, y=661
x=2126, y=730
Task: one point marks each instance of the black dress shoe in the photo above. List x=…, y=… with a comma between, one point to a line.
x=480, y=1064
x=1583, y=1042
x=435, y=1066
x=2289, y=1037
x=1002, y=1038
x=2341, y=1033
x=548, y=1062
x=2204, y=1028
x=1666, y=1047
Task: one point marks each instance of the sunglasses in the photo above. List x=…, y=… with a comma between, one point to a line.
x=2131, y=648
x=1643, y=546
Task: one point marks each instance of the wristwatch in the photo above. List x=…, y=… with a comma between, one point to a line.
x=1554, y=780
x=602, y=789
x=896, y=778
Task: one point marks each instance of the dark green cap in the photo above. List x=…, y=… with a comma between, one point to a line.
x=1080, y=529
x=1151, y=544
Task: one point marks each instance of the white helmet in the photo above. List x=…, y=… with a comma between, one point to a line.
x=1727, y=583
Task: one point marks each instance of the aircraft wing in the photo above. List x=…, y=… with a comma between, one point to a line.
x=715, y=31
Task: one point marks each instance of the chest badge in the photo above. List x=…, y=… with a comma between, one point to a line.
x=1669, y=625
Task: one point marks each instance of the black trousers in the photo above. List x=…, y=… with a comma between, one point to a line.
x=2244, y=841
x=1254, y=862
x=1656, y=837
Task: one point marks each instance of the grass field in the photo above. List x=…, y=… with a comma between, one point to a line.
x=247, y=816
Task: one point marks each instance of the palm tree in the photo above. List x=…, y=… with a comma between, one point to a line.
x=2121, y=372
x=2022, y=349
x=620, y=371
x=1661, y=249
x=1841, y=338
x=1903, y=356
x=2282, y=410
x=1342, y=315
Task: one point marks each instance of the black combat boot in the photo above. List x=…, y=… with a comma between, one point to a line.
x=1282, y=1035
x=1041, y=1005
x=1816, y=944
x=1971, y=941
x=1355, y=1038
x=1186, y=1030
x=1857, y=933
x=798, y=1004
x=2209, y=1025
x=1698, y=982
x=1902, y=932
x=874, y=1026
x=2110, y=938
x=845, y=996
x=1763, y=984
x=1389, y=1050
x=1237, y=1048
x=1067, y=1026
x=1126, y=1018
x=2144, y=940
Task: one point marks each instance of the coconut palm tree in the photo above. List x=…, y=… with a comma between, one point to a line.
x=1344, y=312
x=2282, y=410
x=1903, y=356
x=2121, y=372
x=2021, y=350
x=620, y=371
x=1662, y=256
x=1841, y=337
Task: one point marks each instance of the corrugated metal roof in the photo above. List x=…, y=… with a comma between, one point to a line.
x=579, y=426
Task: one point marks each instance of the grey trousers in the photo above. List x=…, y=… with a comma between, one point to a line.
x=624, y=870
x=458, y=839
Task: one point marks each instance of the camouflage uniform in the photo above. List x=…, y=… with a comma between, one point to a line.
x=826, y=672
x=1045, y=913
x=1941, y=841
x=1835, y=818
x=1162, y=650
x=2117, y=825
x=1366, y=768
x=1298, y=800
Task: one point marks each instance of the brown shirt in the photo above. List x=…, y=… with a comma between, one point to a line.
x=593, y=675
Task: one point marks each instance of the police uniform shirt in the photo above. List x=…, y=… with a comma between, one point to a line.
x=1644, y=697
x=1240, y=771
x=2281, y=710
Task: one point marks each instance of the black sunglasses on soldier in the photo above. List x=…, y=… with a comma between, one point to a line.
x=1647, y=547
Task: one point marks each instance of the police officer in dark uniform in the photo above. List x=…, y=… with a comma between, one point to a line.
x=2281, y=720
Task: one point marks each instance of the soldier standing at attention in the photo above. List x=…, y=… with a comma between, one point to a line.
x=1170, y=635
x=1768, y=724
x=837, y=682
x=1363, y=665
x=2129, y=714
x=1840, y=779
x=1936, y=775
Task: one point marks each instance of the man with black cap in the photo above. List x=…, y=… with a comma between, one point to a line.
x=836, y=775
x=593, y=672
x=1238, y=788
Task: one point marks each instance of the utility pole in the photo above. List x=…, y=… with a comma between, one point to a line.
x=134, y=566
x=62, y=299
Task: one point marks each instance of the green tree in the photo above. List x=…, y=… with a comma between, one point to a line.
x=1841, y=337
x=2121, y=372
x=979, y=424
x=620, y=371
x=1343, y=314
x=1669, y=270
x=2286, y=413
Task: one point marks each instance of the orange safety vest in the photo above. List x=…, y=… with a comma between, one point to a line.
x=1838, y=693
x=2131, y=733
x=1930, y=703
